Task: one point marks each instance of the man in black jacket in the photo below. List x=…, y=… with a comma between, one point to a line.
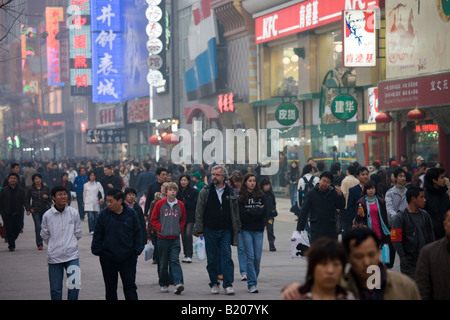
x=110, y=181
x=118, y=242
x=437, y=199
x=320, y=207
x=13, y=203
x=161, y=175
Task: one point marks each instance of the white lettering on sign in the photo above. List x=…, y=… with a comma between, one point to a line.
x=269, y=28
x=351, y=4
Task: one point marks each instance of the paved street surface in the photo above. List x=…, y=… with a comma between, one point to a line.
x=24, y=272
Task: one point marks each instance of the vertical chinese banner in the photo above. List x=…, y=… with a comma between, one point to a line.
x=107, y=33
x=53, y=15
x=80, y=56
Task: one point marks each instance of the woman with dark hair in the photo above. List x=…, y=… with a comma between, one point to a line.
x=271, y=211
x=375, y=216
x=188, y=195
x=383, y=183
x=326, y=265
x=39, y=197
x=252, y=213
x=93, y=198
x=292, y=178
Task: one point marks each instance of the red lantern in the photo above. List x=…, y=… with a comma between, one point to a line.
x=416, y=115
x=154, y=140
x=170, y=138
x=383, y=118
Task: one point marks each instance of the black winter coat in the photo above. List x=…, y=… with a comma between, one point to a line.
x=35, y=197
x=189, y=198
x=321, y=207
x=117, y=236
x=436, y=206
x=20, y=200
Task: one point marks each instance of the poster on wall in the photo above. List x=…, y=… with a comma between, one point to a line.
x=359, y=38
x=417, y=37
x=372, y=99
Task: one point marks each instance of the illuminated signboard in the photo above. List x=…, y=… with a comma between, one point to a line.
x=107, y=33
x=304, y=16
x=359, y=38
x=426, y=128
x=53, y=15
x=226, y=102
x=80, y=62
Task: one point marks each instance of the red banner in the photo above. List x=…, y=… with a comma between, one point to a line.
x=410, y=93
x=305, y=16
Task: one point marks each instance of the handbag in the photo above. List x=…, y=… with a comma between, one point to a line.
x=300, y=244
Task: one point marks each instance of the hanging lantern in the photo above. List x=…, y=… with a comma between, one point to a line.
x=154, y=140
x=416, y=115
x=383, y=117
x=169, y=137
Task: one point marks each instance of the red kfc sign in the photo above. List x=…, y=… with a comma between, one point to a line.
x=305, y=16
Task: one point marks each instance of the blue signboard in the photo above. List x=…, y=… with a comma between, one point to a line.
x=135, y=53
x=106, y=42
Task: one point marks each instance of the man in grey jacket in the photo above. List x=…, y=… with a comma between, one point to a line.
x=396, y=196
x=61, y=230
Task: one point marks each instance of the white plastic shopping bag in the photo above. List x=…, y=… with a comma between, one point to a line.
x=148, y=251
x=299, y=244
x=199, y=248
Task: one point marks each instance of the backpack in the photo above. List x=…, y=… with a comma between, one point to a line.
x=303, y=192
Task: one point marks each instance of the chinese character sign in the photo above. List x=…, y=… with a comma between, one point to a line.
x=359, y=38
x=80, y=63
x=53, y=15
x=286, y=114
x=344, y=107
x=106, y=51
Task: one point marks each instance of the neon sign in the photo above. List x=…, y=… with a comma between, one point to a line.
x=80, y=47
x=53, y=15
x=226, y=102
x=106, y=51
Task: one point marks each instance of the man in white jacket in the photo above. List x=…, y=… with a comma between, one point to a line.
x=61, y=230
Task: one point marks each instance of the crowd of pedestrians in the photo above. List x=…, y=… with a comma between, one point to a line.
x=401, y=210
x=130, y=204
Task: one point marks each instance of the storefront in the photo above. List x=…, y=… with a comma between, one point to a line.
x=300, y=58
x=138, y=125
x=421, y=107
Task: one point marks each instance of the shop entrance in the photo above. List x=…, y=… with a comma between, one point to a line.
x=377, y=147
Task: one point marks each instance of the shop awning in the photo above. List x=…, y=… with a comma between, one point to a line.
x=210, y=112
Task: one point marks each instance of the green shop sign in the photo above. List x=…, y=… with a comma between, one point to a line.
x=344, y=107
x=286, y=114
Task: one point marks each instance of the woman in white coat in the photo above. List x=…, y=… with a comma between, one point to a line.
x=93, y=195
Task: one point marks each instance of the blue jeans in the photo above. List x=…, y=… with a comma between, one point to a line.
x=253, y=244
x=219, y=242
x=56, y=275
x=37, y=218
x=241, y=256
x=169, y=253
x=80, y=203
x=293, y=193
x=92, y=216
